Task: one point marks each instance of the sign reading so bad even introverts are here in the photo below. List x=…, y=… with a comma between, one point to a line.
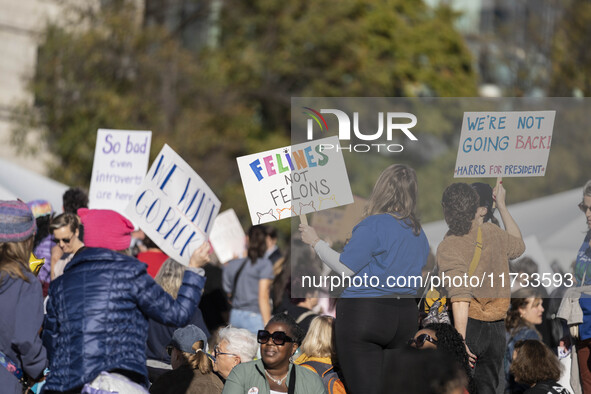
x=504, y=144
x=294, y=180
x=119, y=166
x=174, y=206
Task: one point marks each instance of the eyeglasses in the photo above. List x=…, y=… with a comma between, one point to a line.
x=420, y=340
x=584, y=208
x=64, y=240
x=216, y=353
x=279, y=337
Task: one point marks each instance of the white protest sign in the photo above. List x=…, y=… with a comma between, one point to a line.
x=227, y=236
x=174, y=206
x=504, y=144
x=295, y=180
x=120, y=164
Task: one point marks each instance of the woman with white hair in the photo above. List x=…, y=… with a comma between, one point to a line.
x=235, y=346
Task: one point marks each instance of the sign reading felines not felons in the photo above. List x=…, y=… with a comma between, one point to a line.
x=120, y=164
x=174, y=206
x=295, y=180
x=504, y=144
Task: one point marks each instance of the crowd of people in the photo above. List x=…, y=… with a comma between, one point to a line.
x=110, y=312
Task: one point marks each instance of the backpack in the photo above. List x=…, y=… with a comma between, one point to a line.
x=330, y=379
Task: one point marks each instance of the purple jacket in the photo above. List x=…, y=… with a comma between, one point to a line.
x=21, y=316
x=43, y=250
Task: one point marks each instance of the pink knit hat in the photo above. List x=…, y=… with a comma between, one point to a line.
x=104, y=228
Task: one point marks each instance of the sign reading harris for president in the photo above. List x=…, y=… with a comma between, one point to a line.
x=504, y=144
x=120, y=164
x=294, y=180
x=174, y=206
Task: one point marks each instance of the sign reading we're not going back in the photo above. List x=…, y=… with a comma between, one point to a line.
x=504, y=144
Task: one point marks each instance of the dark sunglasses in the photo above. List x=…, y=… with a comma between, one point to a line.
x=169, y=350
x=420, y=340
x=584, y=207
x=64, y=240
x=279, y=337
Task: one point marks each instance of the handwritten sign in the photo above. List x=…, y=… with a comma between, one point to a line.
x=120, y=164
x=174, y=206
x=295, y=180
x=506, y=144
x=227, y=237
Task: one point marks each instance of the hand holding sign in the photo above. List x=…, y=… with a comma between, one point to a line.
x=499, y=194
x=309, y=235
x=200, y=256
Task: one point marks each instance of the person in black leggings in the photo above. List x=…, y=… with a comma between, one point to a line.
x=384, y=257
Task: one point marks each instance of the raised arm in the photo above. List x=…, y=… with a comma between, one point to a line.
x=329, y=256
x=511, y=226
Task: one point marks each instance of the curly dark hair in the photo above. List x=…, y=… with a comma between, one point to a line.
x=460, y=202
x=485, y=193
x=534, y=362
x=73, y=199
x=450, y=341
x=295, y=331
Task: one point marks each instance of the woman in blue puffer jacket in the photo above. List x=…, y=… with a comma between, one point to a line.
x=98, y=310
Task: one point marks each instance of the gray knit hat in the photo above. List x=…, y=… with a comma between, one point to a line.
x=17, y=222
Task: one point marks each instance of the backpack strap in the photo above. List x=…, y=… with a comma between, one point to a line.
x=477, y=252
x=303, y=316
x=320, y=368
x=236, y=279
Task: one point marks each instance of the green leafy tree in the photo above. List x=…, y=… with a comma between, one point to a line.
x=117, y=66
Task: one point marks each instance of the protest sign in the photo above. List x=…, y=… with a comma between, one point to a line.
x=336, y=225
x=504, y=144
x=295, y=180
x=174, y=206
x=227, y=237
x=120, y=164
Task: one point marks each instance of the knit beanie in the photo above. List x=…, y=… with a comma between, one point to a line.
x=17, y=222
x=104, y=228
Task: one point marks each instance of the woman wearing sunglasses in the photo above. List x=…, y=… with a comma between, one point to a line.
x=274, y=372
x=65, y=234
x=387, y=244
x=446, y=339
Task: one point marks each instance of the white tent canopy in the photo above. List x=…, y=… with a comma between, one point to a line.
x=553, y=222
x=17, y=182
